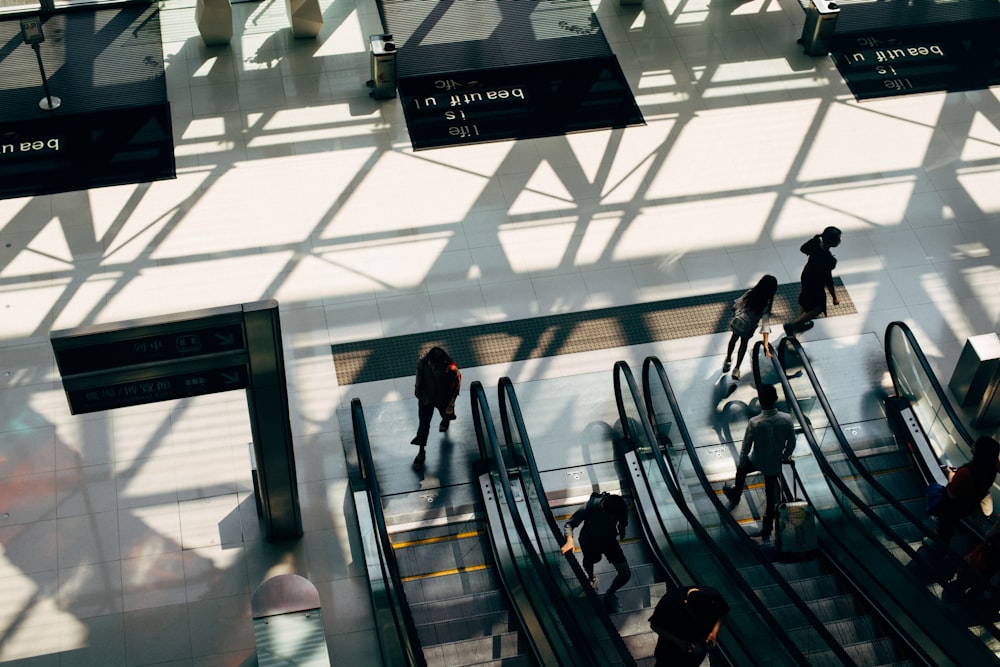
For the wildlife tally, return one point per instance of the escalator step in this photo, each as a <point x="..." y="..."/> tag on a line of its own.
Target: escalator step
<point x="497" y="650"/>
<point x="472" y="626"/>
<point x="858" y="630"/>
<point x="432" y="589"/>
<point x="815" y="588"/>
<point x="447" y="609"/>
<point x="880" y="651"/>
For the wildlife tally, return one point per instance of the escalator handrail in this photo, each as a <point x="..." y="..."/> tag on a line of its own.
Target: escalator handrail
<point x="956" y="421"/>
<point x="511" y="420"/>
<point x="942" y="396"/>
<point x="916" y="641"/>
<point x="622" y="370"/>
<point x="653" y="363"/>
<point x="405" y="629"/>
<point x="562" y="641"/>
<point x="932" y="567"/>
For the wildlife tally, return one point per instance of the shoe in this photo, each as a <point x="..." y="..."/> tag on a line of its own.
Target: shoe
<point x="736" y="374"/>
<point x="726" y="366"/>
<point x="789" y="329"/>
<point x="806" y="326"/>
<point x="611" y="603"/>
<point x="730" y="494"/>
<point x="418" y="462"/>
<point x="444" y="425"/>
<point x="416" y="442"/>
<point x="764" y="537"/>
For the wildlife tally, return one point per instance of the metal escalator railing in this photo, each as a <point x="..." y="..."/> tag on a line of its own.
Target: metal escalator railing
<point x="751" y="634"/>
<point x="397" y="633"/>
<point x="563" y="569"/>
<point x="728" y="534"/>
<point x="862" y="559"/>
<point x="538" y="606"/>
<point x="791" y="356"/>
<point x="946" y="440"/>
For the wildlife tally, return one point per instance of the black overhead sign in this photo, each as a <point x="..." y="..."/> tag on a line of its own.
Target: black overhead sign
<point x="178" y="383"/>
<point x="151" y="360"/>
<point x="158" y="346"/>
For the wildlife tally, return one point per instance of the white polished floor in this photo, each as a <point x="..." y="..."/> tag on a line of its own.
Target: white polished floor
<point x="129" y="537"/>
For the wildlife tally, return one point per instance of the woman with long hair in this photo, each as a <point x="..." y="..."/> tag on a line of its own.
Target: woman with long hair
<point x="753" y="307"/>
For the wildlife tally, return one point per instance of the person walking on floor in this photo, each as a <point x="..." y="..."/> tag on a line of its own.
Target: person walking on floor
<point x="968" y="486"/>
<point x="768" y="442"/>
<point x="816" y="279"/>
<point x="437" y="385"/>
<point x="604" y="519"/>
<point x="751" y="308"/>
<point x="686" y="621"/>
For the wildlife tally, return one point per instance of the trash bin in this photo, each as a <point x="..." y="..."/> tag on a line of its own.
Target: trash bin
<point x="977" y="376"/>
<point x="383" y="61"/>
<point x="821" y="23"/>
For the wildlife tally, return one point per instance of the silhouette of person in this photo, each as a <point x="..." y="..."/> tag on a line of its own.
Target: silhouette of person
<point x="769" y="440"/>
<point x="686" y="621"/>
<point x="816" y="279"/>
<point x="438" y="382"/>
<point x="604" y="519"/>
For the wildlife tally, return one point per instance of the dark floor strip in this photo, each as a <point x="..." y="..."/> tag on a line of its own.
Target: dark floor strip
<point x="536" y="337"/>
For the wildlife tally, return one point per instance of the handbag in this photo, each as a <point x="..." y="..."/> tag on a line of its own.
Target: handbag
<point x="934" y="499"/>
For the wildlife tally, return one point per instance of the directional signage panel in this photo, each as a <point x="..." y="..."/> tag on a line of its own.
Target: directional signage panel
<point x="127" y="390"/>
<point x="89" y="353"/>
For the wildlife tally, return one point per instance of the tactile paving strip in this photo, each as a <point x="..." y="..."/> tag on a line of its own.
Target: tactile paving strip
<point x="551" y="335"/>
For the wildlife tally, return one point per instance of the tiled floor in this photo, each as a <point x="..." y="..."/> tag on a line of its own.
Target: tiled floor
<point x="129" y="537"/>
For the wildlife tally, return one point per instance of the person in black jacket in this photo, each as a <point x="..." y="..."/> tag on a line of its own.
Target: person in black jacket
<point x="816" y="280"/>
<point x="687" y="621"/>
<point x="437" y="384"/>
<point x="604" y="519"/>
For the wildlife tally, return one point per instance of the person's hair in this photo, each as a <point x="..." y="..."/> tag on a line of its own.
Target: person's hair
<point x="707" y="604"/>
<point x="831" y="237"/>
<point x="768" y="396"/>
<point x="762" y="294"/>
<point x="984" y="461"/>
<point x="985" y="455"/>
<point x="615" y="505"/>
<point x="438" y="356"/>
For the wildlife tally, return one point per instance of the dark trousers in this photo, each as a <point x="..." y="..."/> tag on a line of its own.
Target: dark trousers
<point x="615" y="556"/>
<point x="425" y="412"/>
<point x="772" y="493"/>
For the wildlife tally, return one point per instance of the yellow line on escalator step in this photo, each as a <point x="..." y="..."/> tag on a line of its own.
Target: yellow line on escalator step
<point x="435" y="540"/>
<point x="444" y="573"/>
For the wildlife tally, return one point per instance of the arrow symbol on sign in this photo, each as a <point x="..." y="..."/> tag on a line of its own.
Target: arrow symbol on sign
<point x="225" y="339"/>
<point x="231" y="378"/>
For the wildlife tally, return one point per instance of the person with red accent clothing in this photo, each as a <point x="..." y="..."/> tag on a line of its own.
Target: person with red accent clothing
<point x="437" y="385"/>
<point x="968" y="486"/>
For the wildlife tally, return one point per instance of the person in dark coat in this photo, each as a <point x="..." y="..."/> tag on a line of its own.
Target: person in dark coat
<point x="686" y="621"/>
<point x="437" y="385"/>
<point x="816" y="280"/>
<point x="968" y="486"/>
<point x="604" y="519"/>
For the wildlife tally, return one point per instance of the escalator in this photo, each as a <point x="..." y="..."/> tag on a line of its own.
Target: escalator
<point x="399" y="641"/>
<point x="935" y="436"/>
<point x="859" y="547"/>
<point x="460" y="585"/>
<point x="889" y="480"/>
<point x="561" y="569"/>
<point x="768" y="624"/>
<point x="551" y="495"/>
